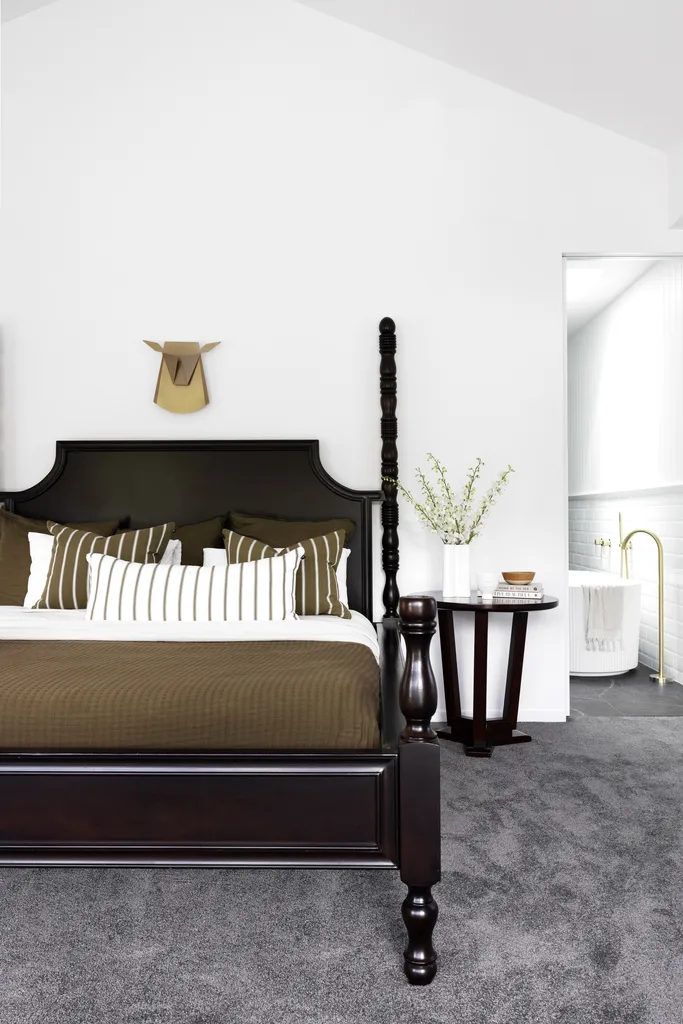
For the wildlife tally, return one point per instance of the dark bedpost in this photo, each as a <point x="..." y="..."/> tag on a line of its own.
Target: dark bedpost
<point x="420" y="811"/>
<point x="387" y="387"/>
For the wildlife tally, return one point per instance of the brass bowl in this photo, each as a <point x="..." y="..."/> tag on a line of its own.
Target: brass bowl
<point x="520" y="578"/>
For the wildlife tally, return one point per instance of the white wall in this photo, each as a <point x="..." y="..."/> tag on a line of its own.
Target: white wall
<point x="256" y="172"/>
<point x="676" y="186"/>
<point x="625" y="369"/>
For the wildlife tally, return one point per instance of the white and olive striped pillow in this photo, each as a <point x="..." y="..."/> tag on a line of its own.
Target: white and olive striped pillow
<point x="67" y="578"/>
<point x="317" y="589"/>
<point x="249" y="592"/>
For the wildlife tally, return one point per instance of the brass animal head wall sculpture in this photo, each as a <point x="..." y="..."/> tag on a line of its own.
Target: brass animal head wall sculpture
<point x="181" y="385"/>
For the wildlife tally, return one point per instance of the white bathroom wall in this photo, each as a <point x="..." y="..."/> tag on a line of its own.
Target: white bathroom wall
<point x="660" y="511"/>
<point x="625" y="372"/>
<point x="255" y="172"/>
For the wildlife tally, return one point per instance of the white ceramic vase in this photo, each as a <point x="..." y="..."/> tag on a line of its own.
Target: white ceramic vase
<point x="456" y="570"/>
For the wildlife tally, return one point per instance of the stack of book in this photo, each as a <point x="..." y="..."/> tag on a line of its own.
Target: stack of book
<point x="519" y="591"/>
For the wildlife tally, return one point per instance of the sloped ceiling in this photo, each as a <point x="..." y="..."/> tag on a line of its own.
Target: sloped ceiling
<point x="616" y="63"/>
<point x="593" y="283"/>
<point x="12" y="9"/>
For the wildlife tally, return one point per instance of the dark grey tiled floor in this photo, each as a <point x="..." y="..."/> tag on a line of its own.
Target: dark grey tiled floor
<point x="629" y="696"/>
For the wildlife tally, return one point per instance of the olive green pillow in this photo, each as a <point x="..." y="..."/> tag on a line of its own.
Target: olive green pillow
<point x="281" y="533"/>
<point x="197" y="536"/>
<point x="67" y="578"/>
<point x="15" y="555"/>
<point x="317" y="589"/>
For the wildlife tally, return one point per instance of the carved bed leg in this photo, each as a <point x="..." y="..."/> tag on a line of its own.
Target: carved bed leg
<point x="420" y="912"/>
<point x="420" y="812"/>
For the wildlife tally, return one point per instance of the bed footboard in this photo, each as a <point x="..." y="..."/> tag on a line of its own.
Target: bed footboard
<point x="312" y="810"/>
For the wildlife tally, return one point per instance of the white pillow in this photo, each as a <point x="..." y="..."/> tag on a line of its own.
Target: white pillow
<point x="218" y="556"/>
<point x="173" y="554"/>
<point x="250" y="592"/>
<point x="40" y="547"/>
<point x="215" y="556"/>
<point x="341" y="576"/>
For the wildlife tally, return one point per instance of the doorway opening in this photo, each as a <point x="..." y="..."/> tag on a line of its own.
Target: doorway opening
<point x="625" y="439"/>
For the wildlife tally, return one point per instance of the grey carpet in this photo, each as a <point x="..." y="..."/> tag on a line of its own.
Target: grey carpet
<point x="562" y="901"/>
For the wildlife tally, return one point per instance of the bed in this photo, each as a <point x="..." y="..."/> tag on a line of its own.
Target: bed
<point x="305" y="743"/>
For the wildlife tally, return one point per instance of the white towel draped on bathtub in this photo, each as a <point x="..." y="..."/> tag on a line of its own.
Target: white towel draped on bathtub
<point x="604" y="616"/>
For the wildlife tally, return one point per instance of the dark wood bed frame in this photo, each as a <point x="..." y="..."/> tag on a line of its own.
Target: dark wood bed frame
<point x="355" y="809"/>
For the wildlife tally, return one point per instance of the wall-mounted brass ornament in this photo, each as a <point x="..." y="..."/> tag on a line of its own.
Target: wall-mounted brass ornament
<point x="181" y="385"/>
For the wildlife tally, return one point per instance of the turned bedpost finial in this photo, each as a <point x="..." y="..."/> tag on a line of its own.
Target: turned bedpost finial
<point x="418" y="694"/>
<point x="389" y="434"/>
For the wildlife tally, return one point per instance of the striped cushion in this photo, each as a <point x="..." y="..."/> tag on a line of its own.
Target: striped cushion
<point x="317" y="589"/>
<point x="246" y="549"/>
<point x="249" y="592"/>
<point x="67" y="579"/>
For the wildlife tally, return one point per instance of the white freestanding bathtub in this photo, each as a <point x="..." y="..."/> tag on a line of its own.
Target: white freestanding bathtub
<point x="584" y="662"/>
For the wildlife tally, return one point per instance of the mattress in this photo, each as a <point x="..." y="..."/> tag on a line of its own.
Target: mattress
<point x="34" y="624"/>
<point x="71" y="685"/>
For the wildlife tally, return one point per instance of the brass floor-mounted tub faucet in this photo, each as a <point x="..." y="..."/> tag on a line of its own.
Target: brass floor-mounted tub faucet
<point x="659" y="676"/>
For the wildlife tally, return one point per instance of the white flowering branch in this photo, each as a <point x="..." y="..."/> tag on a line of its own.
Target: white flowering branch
<point x="455" y="519"/>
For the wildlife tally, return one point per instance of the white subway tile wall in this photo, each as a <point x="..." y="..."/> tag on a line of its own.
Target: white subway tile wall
<point x="662" y="512"/>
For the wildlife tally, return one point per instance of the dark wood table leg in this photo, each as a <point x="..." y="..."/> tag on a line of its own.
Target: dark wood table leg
<point x="451" y="682"/>
<point x="514" y="679"/>
<point x="480" y="746"/>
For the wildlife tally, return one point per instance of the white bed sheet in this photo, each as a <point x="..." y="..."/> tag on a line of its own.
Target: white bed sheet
<point x="30" y="624"/>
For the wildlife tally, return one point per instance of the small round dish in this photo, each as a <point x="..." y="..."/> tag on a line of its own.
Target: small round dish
<point x="521" y="578"/>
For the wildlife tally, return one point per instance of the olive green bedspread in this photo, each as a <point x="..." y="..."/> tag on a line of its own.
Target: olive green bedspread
<point x="91" y="695"/>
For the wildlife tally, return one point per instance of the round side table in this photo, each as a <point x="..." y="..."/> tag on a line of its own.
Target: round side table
<point x="477" y="734"/>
